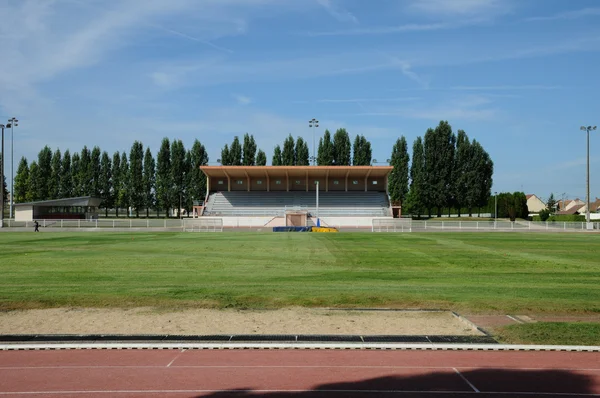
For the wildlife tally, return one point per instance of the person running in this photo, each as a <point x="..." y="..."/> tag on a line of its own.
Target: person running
<point x="37" y="227"/>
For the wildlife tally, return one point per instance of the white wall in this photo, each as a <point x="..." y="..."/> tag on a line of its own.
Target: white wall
<point x="24" y="213"/>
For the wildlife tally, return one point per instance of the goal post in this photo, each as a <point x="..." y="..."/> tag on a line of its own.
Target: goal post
<point x="391" y="225"/>
<point x="203" y="224"/>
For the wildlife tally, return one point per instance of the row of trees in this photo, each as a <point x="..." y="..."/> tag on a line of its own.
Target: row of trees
<point x="512" y="205"/>
<point x="246" y="156"/>
<point x="447" y="171"/>
<point x="140" y="181"/>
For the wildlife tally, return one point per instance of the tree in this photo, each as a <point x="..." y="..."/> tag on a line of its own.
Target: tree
<point x="45" y="171"/>
<point x="55" y="175"/>
<point x="34" y="183"/>
<point x="439" y="159"/>
<point x="261" y="158"/>
<point x="512" y="205"/>
<point x="178" y="171"/>
<point x="463" y="176"/>
<point x="398" y="180"/>
<point x="21" y="181"/>
<point x="4" y="186"/>
<point x="361" y="154"/>
<point x="85" y="172"/>
<point x="235" y="152"/>
<point x="551" y="204"/>
<point x="414" y="201"/>
<point x="225" y="156"/>
<point x="94" y="172"/>
<point x="301" y="153"/>
<point x="341" y="148"/>
<point x="249" y="150"/>
<point x="288" y="156"/>
<point x="116" y="181"/>
<point x="197" y="179"/>
<point x="75" y="167"/>
<point x="105" y="182"/>
<point x="66" y="178"/>
<point x="164" y="178"/>
<point x="123" y="199"/>
<point x="277" y="158"/>
<point x="149" y="181"/>
<point x="484" y="175"/>
<point x="136" y="177"/>
<point x="325" y="151"/>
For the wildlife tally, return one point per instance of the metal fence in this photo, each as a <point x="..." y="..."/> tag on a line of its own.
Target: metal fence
<point x="464" y="226"/>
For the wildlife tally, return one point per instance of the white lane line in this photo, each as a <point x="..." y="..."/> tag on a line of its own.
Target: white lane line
<point x="324" y="392"/>
<point x="176" y="357"/>
<point x="501" y="367"/>
<point x="514" y="319"/>
<point x="466" y="380"/>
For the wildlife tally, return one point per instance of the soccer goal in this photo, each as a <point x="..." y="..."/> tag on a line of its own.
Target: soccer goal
<point x="391" y="225"/>
<point x="203" y="224"/>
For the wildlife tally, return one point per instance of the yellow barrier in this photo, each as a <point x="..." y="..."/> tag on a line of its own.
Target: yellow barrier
<point x="324" y="229"/>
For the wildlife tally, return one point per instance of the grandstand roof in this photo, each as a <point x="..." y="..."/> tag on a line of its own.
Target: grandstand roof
<point x="313" y="171"/>
<point x="65" y="202"/>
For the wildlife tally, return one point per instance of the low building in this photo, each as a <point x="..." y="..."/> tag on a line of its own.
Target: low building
<point x="81" y="208"/>
<point x="534" y="204"/>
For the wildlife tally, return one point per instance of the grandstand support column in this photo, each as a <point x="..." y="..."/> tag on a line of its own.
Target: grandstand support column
<point x="366" y="178"/>
<point x="306" y="180"/>
<point x="228" y="181"/>
<point x="327" y="181"/>
<point x="247" y="181"/>
<point x="317" y="187"/>
<point x="268" y="182"/>
<point x="287" y="182"/>
<point x="346" y="181"/>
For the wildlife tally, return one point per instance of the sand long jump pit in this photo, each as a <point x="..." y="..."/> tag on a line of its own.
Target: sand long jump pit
<point x="231" y="321"/>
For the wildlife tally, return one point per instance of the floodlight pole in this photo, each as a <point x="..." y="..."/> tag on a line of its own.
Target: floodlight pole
<point x="587" y="212"/>
<point x="312" y="124"/>
<point x="2" y="180"/>
<point x="12" y="122"/>
<point x="317" y="182"/>
<point x="495" y="206"/>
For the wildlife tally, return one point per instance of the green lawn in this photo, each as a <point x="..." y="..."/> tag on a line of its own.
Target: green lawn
<point x="483" y="272"/>
<point x="555" y="333"/>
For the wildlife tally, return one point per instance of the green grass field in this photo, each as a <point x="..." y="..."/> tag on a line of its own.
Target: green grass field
<point x="480" y="272"/>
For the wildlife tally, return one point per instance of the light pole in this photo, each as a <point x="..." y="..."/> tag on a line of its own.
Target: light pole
<point x="2" y="179"/>
<point x="587" y="212"/>
<point x="312" y="124"/>
<point x="12" y="123"/>
<point x="495" y="206"/>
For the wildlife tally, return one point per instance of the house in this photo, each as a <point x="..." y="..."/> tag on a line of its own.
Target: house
<point x="573" y="209"/>
<point x="534" y="204"/>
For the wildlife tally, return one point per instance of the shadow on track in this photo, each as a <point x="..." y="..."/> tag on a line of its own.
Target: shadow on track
<point x="498" y="383"/>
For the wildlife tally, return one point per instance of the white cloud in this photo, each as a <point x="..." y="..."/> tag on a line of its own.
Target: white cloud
<point x="384" y="30"/>
<point x="242" y="99"/>
<point x="576" y="14"/>
<point x="337" y="12"/>
<point x="506" y="88"/>
<point x="482" y="8"/>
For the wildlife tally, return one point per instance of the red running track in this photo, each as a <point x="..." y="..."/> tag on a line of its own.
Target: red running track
<point x="297" y="373"/>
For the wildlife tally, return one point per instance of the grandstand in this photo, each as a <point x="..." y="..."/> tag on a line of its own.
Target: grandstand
<point x="274" y="191"/>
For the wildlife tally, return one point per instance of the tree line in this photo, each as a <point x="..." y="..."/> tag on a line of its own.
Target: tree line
<point x="138" y="181"/>
<point x="447" y="171"/>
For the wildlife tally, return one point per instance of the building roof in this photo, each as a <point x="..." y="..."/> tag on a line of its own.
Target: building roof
<point x="572" y="210"/>
<point x="67" y="202"/>
<point x="296" y="171"/>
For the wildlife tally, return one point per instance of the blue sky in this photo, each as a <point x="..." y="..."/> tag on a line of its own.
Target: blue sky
<point x="520" y="76"/>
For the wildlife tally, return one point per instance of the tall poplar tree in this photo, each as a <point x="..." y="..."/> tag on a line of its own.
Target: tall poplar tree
<point x="85" y="172"/>
<point x="261" y="158"/>
<point x="301" y="152"/>
<point x="439" y="161"/>
<point x="34" y="183"/>
<point x="21" y="181"/>
<point x="235" y="152"/>
<point x="124" y="190"/>
<point x="164" y="178"/>
<point x="325" y="151"/>
<point x="197" y="179"/>
<point x="464" y="174"/>
<point x="178" y="171"/>
<point x="361" y="153"/>
<point x="288" y="156"/>
<point x="398" y="180"/>
<point x="94" y="171"/>
<point x="277" y="158"/>
<point x="75" y="172"/>
<point x="105" y="182"/>
<point x="249" y="150"/>
<point x="149" y="181"/>
<point x="415" y="200"/>
<point x="226" y="156"/>
<point x="66" y="178"/>
<point x="136" y="177"/>
<point x="45" y="172"/>
<point x="116" y="182"/>
<point x="55" y="175"/>
<point x="341" y="148"/>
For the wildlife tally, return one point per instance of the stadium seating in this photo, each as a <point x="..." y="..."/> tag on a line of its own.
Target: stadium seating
<point x="371" y="204"/>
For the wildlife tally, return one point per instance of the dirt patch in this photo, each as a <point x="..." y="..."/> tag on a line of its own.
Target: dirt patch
<point x="209" y="321"/>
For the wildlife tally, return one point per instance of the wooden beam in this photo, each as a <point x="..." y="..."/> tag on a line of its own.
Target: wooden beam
<point x="287" y="181"/>
<point x="268" y="181"/>
<point x="367" y="176"/>
<point x="346" y="184"/>
<point x="247" y="181"/>
<point x="228" y="181"/>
